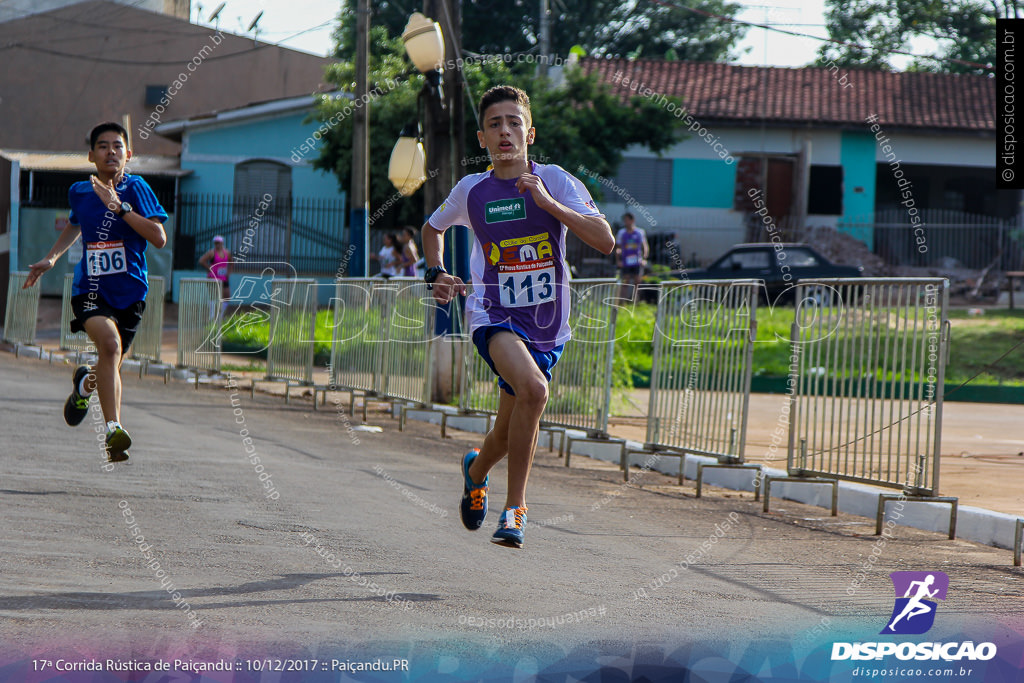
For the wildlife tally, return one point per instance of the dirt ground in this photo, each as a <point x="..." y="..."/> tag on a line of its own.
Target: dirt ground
<point x="982" y="460"/>
<point x="982" y="447"/>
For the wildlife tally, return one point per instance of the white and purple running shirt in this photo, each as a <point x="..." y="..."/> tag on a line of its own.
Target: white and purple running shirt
<point x="520" y="279"/>
<point x="632" y="245"/>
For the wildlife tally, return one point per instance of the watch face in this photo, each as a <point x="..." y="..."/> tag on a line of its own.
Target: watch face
<point x="126" y="207"/>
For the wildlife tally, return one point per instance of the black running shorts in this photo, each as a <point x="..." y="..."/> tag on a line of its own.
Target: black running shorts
<point x="85" y="306"/>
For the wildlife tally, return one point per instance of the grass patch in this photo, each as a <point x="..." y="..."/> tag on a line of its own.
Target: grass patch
<point x="976" y="342"/>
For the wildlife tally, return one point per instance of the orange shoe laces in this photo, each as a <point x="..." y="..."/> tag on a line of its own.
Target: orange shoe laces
<point x="517" y="514"/>
<point x="477" y="497"/>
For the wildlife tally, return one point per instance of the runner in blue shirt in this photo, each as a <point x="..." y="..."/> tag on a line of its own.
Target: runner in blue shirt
<point x="116" y="215"/>
<point x="519" y="309"/>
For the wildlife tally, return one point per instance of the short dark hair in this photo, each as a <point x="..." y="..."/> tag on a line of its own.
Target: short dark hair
<point x="628" y="215"/>
<point x="504" y="93"/>
<point x="107" y="127"/>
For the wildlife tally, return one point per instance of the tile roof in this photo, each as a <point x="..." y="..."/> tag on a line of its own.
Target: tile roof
<point x="810" y="96"/>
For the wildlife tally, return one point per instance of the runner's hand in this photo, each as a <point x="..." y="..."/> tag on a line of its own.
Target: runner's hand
<point x="531" y="183"/>
<point x="35" y="271"/>
<point x="106" y="193"/>
<point x="446" y="286"/>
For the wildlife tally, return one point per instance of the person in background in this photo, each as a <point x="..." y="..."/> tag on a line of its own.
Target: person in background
<point x="217" y="264"/>
<point x="410" y="256"/>
<point x="631" y="252"/>
<point x="390" y="256"/>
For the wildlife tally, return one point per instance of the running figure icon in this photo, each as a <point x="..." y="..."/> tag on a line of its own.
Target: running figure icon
<point x="916" y="606"/>
<point x="916" y="595"/>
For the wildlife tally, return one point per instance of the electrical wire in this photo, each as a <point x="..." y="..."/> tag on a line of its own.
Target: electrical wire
<point x="769" y="27"/>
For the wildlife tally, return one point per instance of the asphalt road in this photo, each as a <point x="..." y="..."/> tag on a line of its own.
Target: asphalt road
<point x="644" y="570"/>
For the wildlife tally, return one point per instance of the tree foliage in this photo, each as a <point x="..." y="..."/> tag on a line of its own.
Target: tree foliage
<point x="603" y="28"/>
<point x="579" y="123"/>
<point x="964" y="30"/>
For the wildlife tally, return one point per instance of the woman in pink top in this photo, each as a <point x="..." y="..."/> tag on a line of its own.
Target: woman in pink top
<point x="217" y="264"/>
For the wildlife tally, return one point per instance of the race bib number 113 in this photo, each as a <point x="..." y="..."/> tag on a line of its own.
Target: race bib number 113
<point x="527" y="284"/>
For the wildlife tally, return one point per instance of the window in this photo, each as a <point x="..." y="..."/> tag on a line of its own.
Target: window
<point x="648" y="181"/>
<point x="745" y="260"/>
<point x="258" y="178"/>
<point x="155" y="93"/>
<point x="825" y="190"/>
<point x="800" y="258"/>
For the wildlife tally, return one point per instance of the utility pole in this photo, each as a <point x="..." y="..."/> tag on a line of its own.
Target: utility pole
<point x="359" y="227"/>
<point x="545" y="38"/>
<point x="444" y="123"/>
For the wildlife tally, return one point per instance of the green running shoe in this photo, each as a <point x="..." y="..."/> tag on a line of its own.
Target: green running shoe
<point x="76" y="407"/>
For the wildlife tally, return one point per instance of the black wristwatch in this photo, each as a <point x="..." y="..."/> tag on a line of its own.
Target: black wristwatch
<point x="125" y="209"/>
<point x="433" y="272"/>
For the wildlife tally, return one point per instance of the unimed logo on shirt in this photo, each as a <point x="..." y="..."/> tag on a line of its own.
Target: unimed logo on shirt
<point x="505" y="210"/>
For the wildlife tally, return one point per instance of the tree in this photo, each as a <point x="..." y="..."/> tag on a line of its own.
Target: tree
<point x="581" y="123"/>
<point x="965" y="31"/>
<point x="612" y="28"/>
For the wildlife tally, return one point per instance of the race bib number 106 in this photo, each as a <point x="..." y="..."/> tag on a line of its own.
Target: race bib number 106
<point x="105" y="258"/>
<point x="527" y="284"/>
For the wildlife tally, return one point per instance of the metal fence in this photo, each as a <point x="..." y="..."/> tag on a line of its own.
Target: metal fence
<point x="360" y="325"/>
<point x="579" y="394"/>
<point x="199" y="324"/>
<point x="22" y="310"/>
<point x="408" y="363"/>
<point x="292" y="328"/>
<point x="308" y="233"/>
<point x="478" y="388"/>
<point x="950" y="239"/>
<point x="868" y="364"/>
<point x="70" y="341"/>
<point x="149" y="339"/>
<point x="701" y="368"/>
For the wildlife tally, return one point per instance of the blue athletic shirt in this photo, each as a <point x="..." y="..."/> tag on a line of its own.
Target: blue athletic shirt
<point x="518" y="265"/>
<point x="113" y="254"/>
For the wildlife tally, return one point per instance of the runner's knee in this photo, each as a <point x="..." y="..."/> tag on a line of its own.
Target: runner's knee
<point x="109" y="347"/>
<point x="533" y="391"/>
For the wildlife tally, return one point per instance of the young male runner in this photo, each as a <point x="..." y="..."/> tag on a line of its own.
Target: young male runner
<point x="116" y="214"/>
<point x="519" y="309"/>
<point x="630" y="255"/>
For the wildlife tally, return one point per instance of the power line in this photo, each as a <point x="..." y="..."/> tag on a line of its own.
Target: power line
<point x="770" y="27"/>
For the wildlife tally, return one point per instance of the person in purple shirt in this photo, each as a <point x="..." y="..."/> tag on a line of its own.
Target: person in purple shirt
<point x="117" y="215"/>
<point x="519" y="309"/>
<point x="631" y="256"/>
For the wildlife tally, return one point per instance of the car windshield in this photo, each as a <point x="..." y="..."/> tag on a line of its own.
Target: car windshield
<point x="798" y="258"/>
<point x="743" y="260"/>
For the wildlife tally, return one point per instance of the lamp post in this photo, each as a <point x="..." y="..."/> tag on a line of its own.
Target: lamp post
<point x="427" y="45"/>
<point x="359" y="225"/>
<point x="407" y="168"/>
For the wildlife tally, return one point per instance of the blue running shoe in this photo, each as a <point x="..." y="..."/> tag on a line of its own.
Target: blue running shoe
<point x="473" y="508"/>
<point x="510" y="527"/>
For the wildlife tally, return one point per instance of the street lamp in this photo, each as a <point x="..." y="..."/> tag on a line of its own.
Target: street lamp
<point x="407" y="169"/>
<point x="424" y="44"/>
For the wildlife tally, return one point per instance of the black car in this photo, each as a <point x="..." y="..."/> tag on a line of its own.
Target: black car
<point x="768" y="262"/>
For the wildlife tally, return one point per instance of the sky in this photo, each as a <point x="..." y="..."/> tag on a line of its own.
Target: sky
<point x="314" y="21"/>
